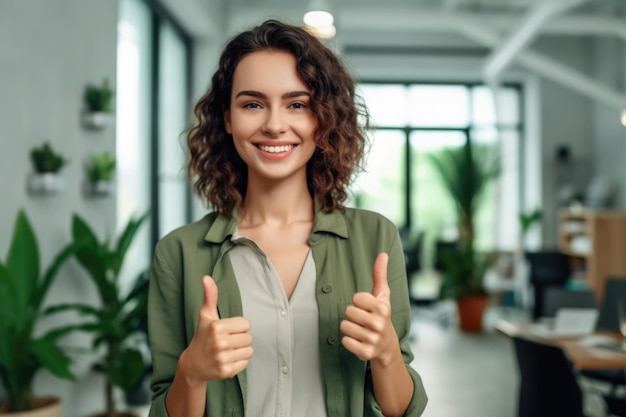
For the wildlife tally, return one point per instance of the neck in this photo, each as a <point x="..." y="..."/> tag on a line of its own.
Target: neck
<point x="282" y="202"/>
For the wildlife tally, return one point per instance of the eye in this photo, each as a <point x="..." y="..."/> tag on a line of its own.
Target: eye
<point x="298" y="105"/>
<point x="252" y="105"/>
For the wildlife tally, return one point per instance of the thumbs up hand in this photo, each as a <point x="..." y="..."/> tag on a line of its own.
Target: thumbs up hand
<point x="368" y="330"/>
<point x="220" y="348"/>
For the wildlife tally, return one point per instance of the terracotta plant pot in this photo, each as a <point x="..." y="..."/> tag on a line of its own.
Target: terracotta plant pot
<point x="471" y="310"/>
<point x="42" y="407"/>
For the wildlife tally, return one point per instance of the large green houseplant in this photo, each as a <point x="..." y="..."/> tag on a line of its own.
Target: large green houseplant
<point x="117" y="321"/>
<point x="23" y="290"/>
<point x="465" y="172"/>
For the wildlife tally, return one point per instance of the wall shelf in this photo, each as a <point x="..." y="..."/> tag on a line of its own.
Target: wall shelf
<point x="604" y="237"/>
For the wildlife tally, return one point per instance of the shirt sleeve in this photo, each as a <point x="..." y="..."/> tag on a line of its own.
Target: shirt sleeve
<point x="165" y="324"/>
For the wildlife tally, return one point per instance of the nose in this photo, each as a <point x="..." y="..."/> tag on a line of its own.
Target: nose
<point x="274" y="123"/>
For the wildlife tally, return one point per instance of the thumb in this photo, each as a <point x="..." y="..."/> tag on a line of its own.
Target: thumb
<point x="380" y="287"/>
<point x="209" y="305"/>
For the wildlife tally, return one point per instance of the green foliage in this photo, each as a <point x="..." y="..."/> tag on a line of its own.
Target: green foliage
<point x="22" y="292"/>
<point x="464" y="272"/>
<point x="465" y="172"/>
<point x="45" y="160"/>
<point x="120" y="315"/>
<point x="100" y="167"/>
<point x="99" y="98"/>
<point x="527" y="219"/>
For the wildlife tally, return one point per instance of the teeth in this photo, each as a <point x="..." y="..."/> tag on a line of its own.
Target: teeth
<point x="275" y="149"/>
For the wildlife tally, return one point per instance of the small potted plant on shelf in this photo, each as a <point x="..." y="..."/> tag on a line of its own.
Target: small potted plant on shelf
<point x="100" y="169"/>
<point x="116" y="323"/>
<point x="46" y="165"/>
<point x="98" y="102"/>
<point x="465" y="172"/>
<point x="24" y="352"/>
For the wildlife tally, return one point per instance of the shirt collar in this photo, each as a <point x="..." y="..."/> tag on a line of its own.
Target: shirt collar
<point x="223" y="227"/>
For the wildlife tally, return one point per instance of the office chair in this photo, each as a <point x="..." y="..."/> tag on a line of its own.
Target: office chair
<point x="412" y="257"/>
<point x="547" y="268"/>
<point x="413" y="254"/>
<point x="441" y="248"/>
<point x="555" y="298"/>
<point x="615" y="405"/>
<point x="548" y="384"/>
<point x="609" y="321"/>
<point x="614" y="299"/>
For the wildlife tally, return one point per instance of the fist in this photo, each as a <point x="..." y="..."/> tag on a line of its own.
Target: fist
<point x="220" y="348"/>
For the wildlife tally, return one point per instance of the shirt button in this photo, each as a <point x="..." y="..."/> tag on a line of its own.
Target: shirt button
<point x="331" y="340"/>
<point x="327" y="289"/>
<point x="283" y="313"/>
<point x="285" y="369"/>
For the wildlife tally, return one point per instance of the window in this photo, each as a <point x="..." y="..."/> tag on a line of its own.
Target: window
<point x="151" y="114"/>
<point x="413" y="120"/>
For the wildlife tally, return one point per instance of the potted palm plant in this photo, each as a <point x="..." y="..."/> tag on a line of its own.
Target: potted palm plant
<point x="116" y="323"/>
<point x="46" y="166"/>
<point x="23" y="353"/>
<point x="100" y="169"/>
<point x="98" y="100"/>
<point x="465" y="172"/>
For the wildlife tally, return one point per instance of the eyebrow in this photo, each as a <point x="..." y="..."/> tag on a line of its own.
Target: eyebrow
<point x="291" y="94"/>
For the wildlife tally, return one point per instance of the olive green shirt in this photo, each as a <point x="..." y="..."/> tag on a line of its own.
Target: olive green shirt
<point x="344" y="246"/>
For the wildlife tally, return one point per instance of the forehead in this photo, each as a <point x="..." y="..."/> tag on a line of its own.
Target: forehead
<point x="268" y="70"/>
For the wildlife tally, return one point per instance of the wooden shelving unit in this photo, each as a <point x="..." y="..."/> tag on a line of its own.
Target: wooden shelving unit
<point x="596" y="242"/>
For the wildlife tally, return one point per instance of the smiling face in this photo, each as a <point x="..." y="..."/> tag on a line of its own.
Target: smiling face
<point x="269" y="117"/>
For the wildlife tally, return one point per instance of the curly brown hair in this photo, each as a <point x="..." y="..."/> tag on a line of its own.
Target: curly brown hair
<point x="221" y="175"/>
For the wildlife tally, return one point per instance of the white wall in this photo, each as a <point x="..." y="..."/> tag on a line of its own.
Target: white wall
<point x="563" y="118"/>
<point x="49" y="51"/>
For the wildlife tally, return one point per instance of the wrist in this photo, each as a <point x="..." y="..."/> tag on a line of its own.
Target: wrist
<point x="187" y="373"/>
<point x="388" y="357"/>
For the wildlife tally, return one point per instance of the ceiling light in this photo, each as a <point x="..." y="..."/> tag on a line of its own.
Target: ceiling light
<point x="319" y="20"/>
<point x="322" y="32"/>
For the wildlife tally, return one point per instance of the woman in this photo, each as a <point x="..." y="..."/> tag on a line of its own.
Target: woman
<point x="282" y="302"/>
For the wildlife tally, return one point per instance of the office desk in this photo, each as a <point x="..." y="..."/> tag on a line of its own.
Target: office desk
<point x="581" y="356"/>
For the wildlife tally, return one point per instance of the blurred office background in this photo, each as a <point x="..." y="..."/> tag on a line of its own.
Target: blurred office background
<point x="542" y="82"/>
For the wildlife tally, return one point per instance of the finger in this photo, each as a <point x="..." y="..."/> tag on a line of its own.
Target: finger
<point x="235" y="341"/>
<point x="362" y="351"/>
<point x="229" y="356"/>
<point x="239" y="366"/>
<point x="363" y="318"/>
<point x="381" y="287"/>
<point x="209" y="305"/>
<point x="231" y="325"/>
<point x="364" y="301"/>
<point x="358" y="332"/>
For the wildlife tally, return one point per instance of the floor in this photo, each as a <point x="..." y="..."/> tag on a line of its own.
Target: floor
<point x="471" y="375"/>
<point x="465" y="375"/>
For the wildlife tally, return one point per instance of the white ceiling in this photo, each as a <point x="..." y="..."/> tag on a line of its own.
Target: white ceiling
<point x="500" y="32"/>
<point x="382" y="18"/>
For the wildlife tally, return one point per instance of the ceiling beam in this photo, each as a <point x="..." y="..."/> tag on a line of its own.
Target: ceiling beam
<point x="523" y="34"/>
<point x="450" y="5"/>
<point x="413" y="20"/>
<point x="553" y="70"/>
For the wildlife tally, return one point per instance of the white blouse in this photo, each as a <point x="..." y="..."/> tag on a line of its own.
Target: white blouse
<point x="284" y="375"/>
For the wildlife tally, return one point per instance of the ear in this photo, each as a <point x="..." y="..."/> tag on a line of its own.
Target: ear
<point x="227" y="124"/>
